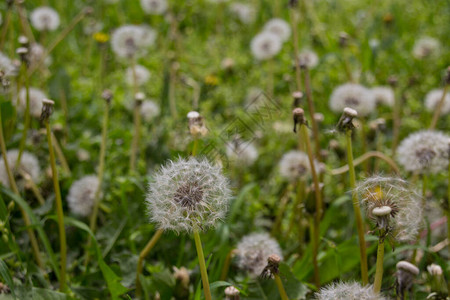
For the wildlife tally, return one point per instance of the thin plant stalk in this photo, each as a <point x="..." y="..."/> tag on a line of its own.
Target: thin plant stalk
<point x="101" y="169"/>
<point x="282" y="208"/>
<point x="318" y="197"/>
<point x="397" y="119"/>
<point x="142" y="256"/>
<point x="27" y="115"/>
<point x="357" y="210"/>
<point x="364" y="146"/>
<point x="136" y="136"/>
<point x="365" y="156"/>
<point x="5" y="27"/>
<point x="59" y="209"/>
<point x="298" y="78"/>
<point x="280" y="287"/>
<point x="379" y="266"/>
<point x="437" y="111"/>
<point x="312" y="112"/>
<point x="172" y="82"/>
<point x="33" y="187"/>
<point x="24" y="21"/>
<point x="201" y="262"/>
<point x="226" y="265"/>
<point x="297" y="212"/>
<point x="60" y="154"/>
<point x="13" y="185"/>
<point x="270" y="77"/>
<point x="424" y="194"/>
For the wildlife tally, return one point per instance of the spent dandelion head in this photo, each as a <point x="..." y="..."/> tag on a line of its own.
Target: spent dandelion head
<point x="347" y="291"/>
<point x="130" y="41"/>
<point x="354" y="96"/>
<point x="45" y="18"/>
<point x="188" y="195"/>
<point x="294" y="165"/>
<point x="254" y="250"/>
<point x="308" y="58"/>
<point x="154" y="7"/>
<point x="425" y="151"/>
<point x="81" y="197"/>
<point x="405" y="275"/>
<point x="434" y="97"/>
<point x="47" y="109"/>
<point x="279" y="27"/>
<point x="426" y="47"/>
<point x="392" y="204"/>
<point x="142" y="75"/>
<point x="383" y="95"/>
<point x="197" y="126"/>
<point x="241" y="152"/>
<point x="149" y="110"/>
<point x="265" y="45"/>
<point x="28" y="164"/>
<point x="243" y="11"/>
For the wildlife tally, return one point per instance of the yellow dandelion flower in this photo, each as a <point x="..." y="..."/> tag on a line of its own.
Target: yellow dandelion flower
<point x="211" y="80"/>
<point x="101" y="37"/>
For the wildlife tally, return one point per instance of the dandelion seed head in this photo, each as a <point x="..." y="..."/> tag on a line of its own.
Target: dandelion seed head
<point x="433" y="98"/>
<point x="45" y="18"/>
<point x="425" y="151"/>
<point x="243" y="11"/>
<point x="28" y="164"/>
<point x="253" y="251"/>
<point x="308" y="58"/>
<point x="149" y="110"/>
<point x="392" y="205"/>
<point x="354" y="96"/>
<point x="383" y="95"/>
<point x="187" y="195"/>
<point x="426" y="47"/>
<point x="279" y="27"/>
<point x="154" y="7"/>
<point x="7" y="66"/>
<point x="36" y="54"/>
<point x="347" y="291"/>
<point x="265" y="45"/>
<point x="142" y="75"/>
<point x="36" y="97"/>
<point x="130" y="41"/>
<point x="81" y="197"/>
<point x="241" y="152"/>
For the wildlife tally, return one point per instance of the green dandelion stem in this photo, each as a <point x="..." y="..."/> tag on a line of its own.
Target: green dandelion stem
<point x="280" y="287"/>
<point x="379" y="266"/>
<point x="201" y="262"/>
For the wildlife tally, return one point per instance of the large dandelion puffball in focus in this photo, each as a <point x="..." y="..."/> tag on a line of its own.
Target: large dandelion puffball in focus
<point x="354" y="96"/>
<point x="347" y="291"/>
<point x="425" y="151"/>
<point x="81" y="197"/>
<point x="265" y="45"/>
<point x="45" y="18"/>
<point x="188" y="195"/>
<point x="130" y="41"/>
<point x="154" y="7"/>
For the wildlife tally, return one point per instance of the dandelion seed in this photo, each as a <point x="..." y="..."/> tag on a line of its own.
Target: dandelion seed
<point x="81" y="197"/>
<point x="354" y="96"/>
<point x="45" y="18"/>
<point x="132" y="40"/>
<point x="188" y="195"/>
<point x="154" y="7"/>
<point x="308" y="58"/>
<point x="28" y="164"/>
<point x="279" y="27"/>
<point x="36" y="97"/>
<point x="243" y="11"/>
<point x="424" y="151"/>
<point x="149" y="110"/>
<point x="348" y="291"/>
<point x="425" y="47"/>
<point x="392" y="205"/>
<point x="142" y="75"/>
<point x="241" y="152"/>
<point x="265" y="45"/>
<point x="383" y="95"/>
<point x="253" y="251"/>
<point x="433" y="98"/>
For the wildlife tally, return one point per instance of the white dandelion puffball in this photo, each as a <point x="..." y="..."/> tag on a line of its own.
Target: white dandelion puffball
<point x="253" y="251"/>
<point x="347" y="291"/>
<point x="28" y="164"/>
<point x="434" y="97"/>
<point x="188" y="195"/>
<point x="383" y="95"/>
<point x="279" y="27"/>
<point x="308" y="58"/>
<point x="154" y="7"/>
<point x="243" y="11"/>
<point x="142" y="75"/>
<point x="149" y="110"/>
<point x="294" y="165"/>
<point x="354" y="96"/>
<point x="36" y="54"/>
<point x="132" y="40"/>
<point x="241" y="152"/>
<point x="7" y="66"/>
<point x="44" y="18"/>
<point x="265" y="45"/>
<point x="425" y="47"/>
<point x="36" y="96"/>
<point x="81" y="197"/>
<point x="425" y="151"/>
<point x="393" y="205"/>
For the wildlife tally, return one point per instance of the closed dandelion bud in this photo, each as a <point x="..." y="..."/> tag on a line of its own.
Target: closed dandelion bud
<point x="437" y="281"/>
<point x="254" y="250"/>
<point x="47" y="109"/>
<point x="187" y="195"/>
<point x="392" y="205"/>
<point x="271" y="268"/>
<point x="107" y="95"/>
<point x="298" y="115"/>
<point x="347" y="291"/>
<point x="343" y="39"/>
<point x="232" y="293"/>
<point x="346" y="121"/>
<point x="406" y="273"/>
<point x="196" y="125"/>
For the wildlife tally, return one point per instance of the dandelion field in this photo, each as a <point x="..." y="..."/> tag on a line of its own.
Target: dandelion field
<point x="222" y="149"/>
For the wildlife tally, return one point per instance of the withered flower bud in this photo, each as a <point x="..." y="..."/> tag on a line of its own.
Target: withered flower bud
<point x="343" y="39"/>
<point x="232" y="293"/>
<point x="196" y="124"/>
<point x="345" y="122"/>
<point x="298" y="115"/>
<point x="47" y="109"/>
<point x="271" y="269"/>
<point x="139" y="98"/>
<point x="23" y="54"/>
<point x="107" y="95"/>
